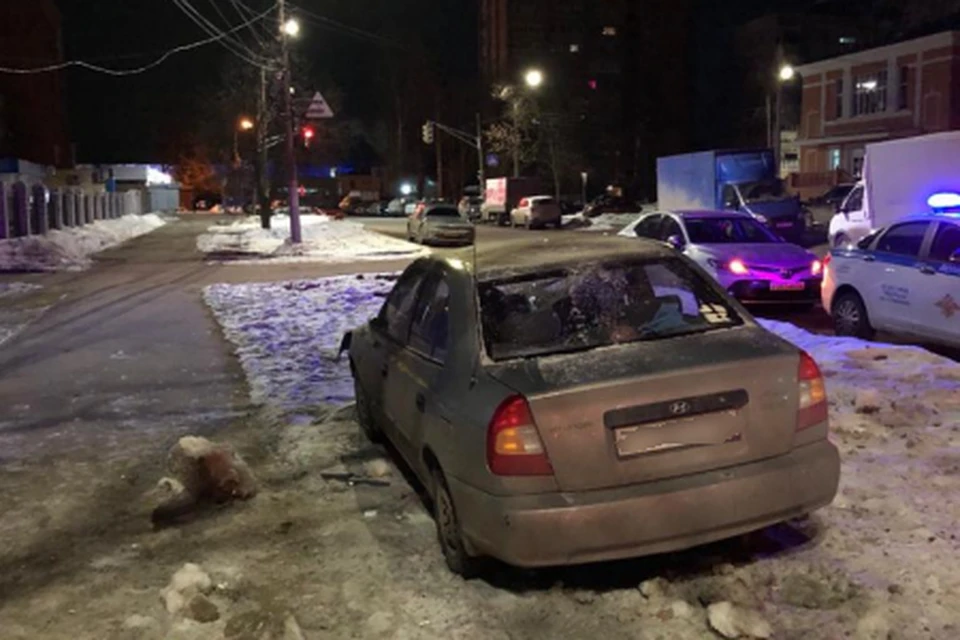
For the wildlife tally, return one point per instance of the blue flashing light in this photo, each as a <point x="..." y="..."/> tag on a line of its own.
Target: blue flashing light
<point x="944" y="201"/>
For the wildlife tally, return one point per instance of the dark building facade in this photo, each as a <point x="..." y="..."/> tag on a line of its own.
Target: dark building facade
<point x="617" y="68"/>
<point x="32" y="116"/>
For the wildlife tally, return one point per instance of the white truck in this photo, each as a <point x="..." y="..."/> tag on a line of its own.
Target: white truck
<point x="899" y="177"/>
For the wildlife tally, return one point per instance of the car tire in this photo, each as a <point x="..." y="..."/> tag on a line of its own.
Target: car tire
<point x="840" y="240"/>
<point x="850" y="316"/>
<point x="368" y="425"/>
<point x="449" y="533"/>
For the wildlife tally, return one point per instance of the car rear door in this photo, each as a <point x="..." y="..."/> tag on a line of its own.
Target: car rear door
<point x="939" y="297"/>
<point x="894" y="291"/>
<point x="415" y="371"/>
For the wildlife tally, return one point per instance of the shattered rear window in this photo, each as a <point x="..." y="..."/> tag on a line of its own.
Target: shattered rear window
<point x="582" y="308"/>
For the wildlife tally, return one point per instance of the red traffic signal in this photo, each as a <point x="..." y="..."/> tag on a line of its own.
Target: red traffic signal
<point x="308" y="134"/>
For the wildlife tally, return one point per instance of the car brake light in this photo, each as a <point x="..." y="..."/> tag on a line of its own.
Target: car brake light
<point x="816" y="267"/>
<point x="826" y="260"/>
<point x="514" y="447"/>
<point x="736" y="266"/>
<point x="812" y="408"/>
<point x="523" y="202"/>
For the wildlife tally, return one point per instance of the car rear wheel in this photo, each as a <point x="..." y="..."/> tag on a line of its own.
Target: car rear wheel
<point x="850" y="316"/>
<point x="449" y="533"/>
<point x="364" y="416"/>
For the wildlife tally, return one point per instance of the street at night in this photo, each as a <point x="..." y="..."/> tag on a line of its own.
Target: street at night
<point x="479" y="319"/>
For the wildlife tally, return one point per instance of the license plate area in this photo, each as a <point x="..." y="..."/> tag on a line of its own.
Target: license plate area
<point x="787" y="286"/>
<point x="675" y="435"/>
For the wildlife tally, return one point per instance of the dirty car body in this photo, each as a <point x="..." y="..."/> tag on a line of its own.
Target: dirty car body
<point x="590" y="399"/>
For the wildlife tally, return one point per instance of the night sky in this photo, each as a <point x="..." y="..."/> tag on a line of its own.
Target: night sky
<point x="139" y="118"/>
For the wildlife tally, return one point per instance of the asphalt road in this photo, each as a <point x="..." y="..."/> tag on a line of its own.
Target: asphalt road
<point x="813" y="320"/>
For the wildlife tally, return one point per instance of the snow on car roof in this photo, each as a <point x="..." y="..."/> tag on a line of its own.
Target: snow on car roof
<point x="708" y="213"/>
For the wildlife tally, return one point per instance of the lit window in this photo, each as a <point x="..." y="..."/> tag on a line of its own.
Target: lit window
<point x="870" y="93"/>
<point x="574" y="48"/>
<point x="592" y="84"/>
<point x="610" y="31"/>
<point x="834" y="160"/>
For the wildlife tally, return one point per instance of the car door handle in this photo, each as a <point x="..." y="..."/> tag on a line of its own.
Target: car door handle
<point x="421" y="402"/>
<point x="927" y="269"/>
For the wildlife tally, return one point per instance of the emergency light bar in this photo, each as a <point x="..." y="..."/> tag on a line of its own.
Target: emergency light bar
<point x="944" y="201"/>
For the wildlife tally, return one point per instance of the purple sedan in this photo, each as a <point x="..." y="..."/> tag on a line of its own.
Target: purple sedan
<point x="748" y="260"/>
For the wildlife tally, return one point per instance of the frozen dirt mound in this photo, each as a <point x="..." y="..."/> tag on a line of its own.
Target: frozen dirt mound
<point x="71" y="249"/>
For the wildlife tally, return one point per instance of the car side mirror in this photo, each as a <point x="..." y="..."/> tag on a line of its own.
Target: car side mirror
<point x="676" y="242"/>
<point x="955" y="257"/>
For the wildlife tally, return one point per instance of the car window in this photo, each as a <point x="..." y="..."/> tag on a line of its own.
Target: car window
<point x="430" y="330"/>
<point x="398" y="309"/>
<point x="855" y="201"/>
<point x="649" y="227"/>
<point x="946" y="242"/>
<point x="543" y="201"/>
<point x="670" y="227"/>
<point x="730" y="199"/>
<point x="727" y="231"/>
<point x="443" y="212"/>
<point x="904" y="239"/>
<point x="595" y="305"/>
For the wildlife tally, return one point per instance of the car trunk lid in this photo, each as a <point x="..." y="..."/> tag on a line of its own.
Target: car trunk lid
<point x="653" y="410"/>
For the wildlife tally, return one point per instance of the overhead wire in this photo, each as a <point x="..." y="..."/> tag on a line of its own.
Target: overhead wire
<point x="330" y="23"/>
<point x="236" y="46"/>
<point x="244" y="12"/>
<point x="137" y="70"/>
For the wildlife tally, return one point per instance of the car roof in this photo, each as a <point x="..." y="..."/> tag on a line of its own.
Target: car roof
<point x="690" y="214"/>
<point x="516" y="257"/>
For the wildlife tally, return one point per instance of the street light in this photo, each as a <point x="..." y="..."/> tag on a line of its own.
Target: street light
<point x="291" y="27"/>
<point x="533" y="78"/>
<point x="246" y="124"/>
<point x="787" y="72"/>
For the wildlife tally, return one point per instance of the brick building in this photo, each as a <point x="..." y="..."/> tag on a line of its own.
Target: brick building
<point x="33" y="123"/>
<point x="904" y="89"/>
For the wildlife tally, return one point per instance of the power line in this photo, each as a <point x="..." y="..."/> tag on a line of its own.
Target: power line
<point x="129" y="72"/>
<point x="235" y="46"/>
<point x="244" y="11"/>
<point x="324" y="21"/>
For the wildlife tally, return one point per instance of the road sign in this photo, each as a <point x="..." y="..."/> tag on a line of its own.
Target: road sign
<point x="318" y="109"/>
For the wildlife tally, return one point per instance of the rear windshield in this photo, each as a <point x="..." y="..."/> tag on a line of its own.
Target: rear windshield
<point x="544" y="201"/>
<point x="582" y="308"/>
<point x="727" y="231"/>
<point x="443" y="212"/>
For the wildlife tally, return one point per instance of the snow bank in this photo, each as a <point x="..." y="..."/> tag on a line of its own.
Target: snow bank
<point x="603" y="222"/>
<point x="70" y="249"/>
<point x="324" y="240"/>
<point x="16" y="289"/>
<point x="287" y="334"/>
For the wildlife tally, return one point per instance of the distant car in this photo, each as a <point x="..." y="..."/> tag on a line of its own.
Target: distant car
<point x="537" y="212"/>
<point x="469" y="207"/>
<point x="749" y="261"/>
<point x="587" y="399"/>
<point x="438" y="224"/>
<point x="904" y="279"/>
<point x="610" y="204"/>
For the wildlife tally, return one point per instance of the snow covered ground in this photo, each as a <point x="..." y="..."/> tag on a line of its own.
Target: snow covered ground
<point x="287" y="334"/>
<point x="604" y="222"/>
<point x="15" y="317"/>
<point x="70" y="249"/>
<point x="324" y="240"/>
<point x="879" y="563"/>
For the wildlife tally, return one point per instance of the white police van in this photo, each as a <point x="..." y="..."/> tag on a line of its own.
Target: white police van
<point x="904" y="278"/>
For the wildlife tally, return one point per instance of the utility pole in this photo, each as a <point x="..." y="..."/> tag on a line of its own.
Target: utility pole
<point x="516" y="140"/>
<point x="439" y="150"/>
<point x="480" y="159"/>
<point x="293" y="196"/>
<point x="262" y="190"/>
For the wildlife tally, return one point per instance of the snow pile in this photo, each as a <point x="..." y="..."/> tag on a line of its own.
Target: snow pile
<point x="324" y="240"/>
<point x="70" y="249"/>
<point x="287" y="334"/>
<point x="603" y="222"/>
<point x="17" y="289"/>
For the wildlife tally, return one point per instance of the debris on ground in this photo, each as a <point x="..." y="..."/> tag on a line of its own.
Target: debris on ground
<point x="731" y="621"/>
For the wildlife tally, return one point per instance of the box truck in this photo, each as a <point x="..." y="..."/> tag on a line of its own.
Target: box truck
<point x="899" y="176"/>
<point x="503" y="194"/>
<point x="735" y="180"/>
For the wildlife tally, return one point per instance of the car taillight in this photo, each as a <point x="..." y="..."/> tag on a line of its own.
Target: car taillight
<point x="816" y="267"/>
<point x="826" y="260"/>
<point x="523" y="202"/>
<point x="813" y="394"/>
<point x="514" y="447"/>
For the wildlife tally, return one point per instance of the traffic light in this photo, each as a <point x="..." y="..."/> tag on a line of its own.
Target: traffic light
<point x="308" y="133"/>
<point x="428" y="132"/>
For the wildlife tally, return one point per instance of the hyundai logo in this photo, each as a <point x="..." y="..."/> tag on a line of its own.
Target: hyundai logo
<point x="680" y="408"/>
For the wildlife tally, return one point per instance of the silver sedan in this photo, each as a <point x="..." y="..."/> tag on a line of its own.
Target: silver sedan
<point x="587" y="399"/>
<point x="439" y="224"/>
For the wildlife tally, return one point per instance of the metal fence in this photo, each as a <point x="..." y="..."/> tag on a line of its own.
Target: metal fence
<point x="26" y="211"/>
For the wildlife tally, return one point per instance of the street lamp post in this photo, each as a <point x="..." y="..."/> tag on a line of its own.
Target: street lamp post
<point x="289" y="28"/>
<point x="532" y="79"/>
<point x="785" y="74"/>
<point x="243" y="125"/>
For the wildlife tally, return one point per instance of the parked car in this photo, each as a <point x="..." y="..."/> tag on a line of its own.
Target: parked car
<point x="610" y="204"/>
<point x="904" y="279"/>
<point x="537" y="212"/>
<point x="749" y="261"/>
<point x="469" y="207"/>
<point x="588" y="399"/>
<point x="439" y="223"/>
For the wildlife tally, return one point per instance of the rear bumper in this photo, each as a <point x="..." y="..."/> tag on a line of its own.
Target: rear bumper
<point x="656" y="517"/>
<point x="760" y="291"/>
